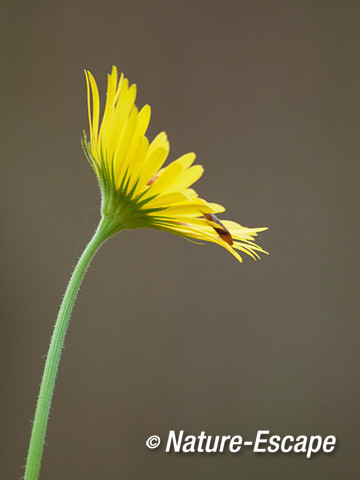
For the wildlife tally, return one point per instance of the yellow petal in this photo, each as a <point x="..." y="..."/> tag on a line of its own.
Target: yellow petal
<point x="166" y="200"/>
<point x="166" y="178"/>
<point x="154" y="160"/>
<point x="94" y="122"/>
<point x="186" y="179"/>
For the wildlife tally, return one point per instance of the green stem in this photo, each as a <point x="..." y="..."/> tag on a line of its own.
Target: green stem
<point x="53" y="357"/>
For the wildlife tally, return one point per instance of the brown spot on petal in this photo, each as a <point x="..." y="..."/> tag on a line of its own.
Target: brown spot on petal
<point x="182" y="223"/>
<point x="152" y="180"/>
<point x="222" y="231"/>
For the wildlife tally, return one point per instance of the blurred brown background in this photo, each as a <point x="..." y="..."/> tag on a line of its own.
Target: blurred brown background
<point x="167" y="334"/>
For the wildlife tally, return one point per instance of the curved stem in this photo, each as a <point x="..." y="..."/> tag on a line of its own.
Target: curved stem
<point x="53" y="357"/>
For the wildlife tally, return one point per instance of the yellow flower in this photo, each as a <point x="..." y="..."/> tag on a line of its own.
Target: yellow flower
<point x="137" y="191"/>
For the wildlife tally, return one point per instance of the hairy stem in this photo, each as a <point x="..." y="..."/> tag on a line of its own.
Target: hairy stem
<point x="37" y="440"/>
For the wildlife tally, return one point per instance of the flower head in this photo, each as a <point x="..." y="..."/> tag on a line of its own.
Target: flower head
<point x="137" y="191"/>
